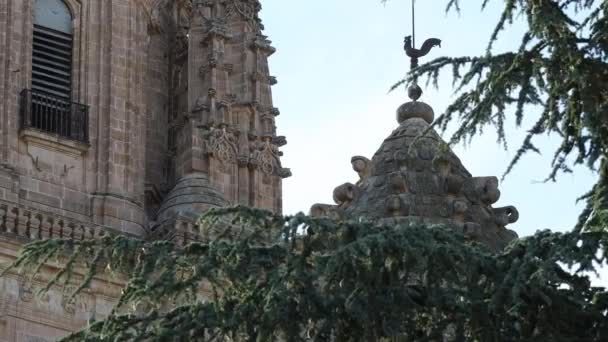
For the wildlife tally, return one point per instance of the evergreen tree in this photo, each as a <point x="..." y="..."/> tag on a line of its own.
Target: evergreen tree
<point x="320" y="280"/>
<point x="270" y="277"/>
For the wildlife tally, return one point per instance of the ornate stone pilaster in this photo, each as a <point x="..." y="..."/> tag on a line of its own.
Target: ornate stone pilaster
<point x="228" y="131"/>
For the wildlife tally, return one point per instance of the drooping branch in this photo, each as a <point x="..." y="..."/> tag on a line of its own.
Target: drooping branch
<point x="319" y="280"/>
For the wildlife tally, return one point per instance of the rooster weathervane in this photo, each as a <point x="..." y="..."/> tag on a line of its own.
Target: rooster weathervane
<point x="409" y="45"/>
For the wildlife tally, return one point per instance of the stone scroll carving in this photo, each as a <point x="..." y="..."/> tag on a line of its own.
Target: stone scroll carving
<point x="265" y="156"/>
<point x="246" y="9"/>
<point x="506" y="215"/>
<point x="222" y="145"/>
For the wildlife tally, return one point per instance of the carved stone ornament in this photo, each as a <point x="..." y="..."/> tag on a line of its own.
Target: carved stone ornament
<point x="265" y="156"/>
<point x="196" y="8"/>
<point x="200" y="105"/>
<point x="216" y="27"/>
<point x="285" y="173"/>
<point x="247" y="9"/>
<point x="279" y="140"/>
<point x="181" y="44"/>
<point x="154" y="22"/>
<point x="262" y="43"/>
<point x="68" y="303"/>
<point x="268" y="159"/>
<point x="361" y="165"/>
<point x="221" y="144"/>
<point x="345" y="194"/>
<point x="26" y="290"/>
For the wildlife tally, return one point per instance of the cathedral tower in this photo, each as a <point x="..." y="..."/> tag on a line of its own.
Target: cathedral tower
<point x="222" y="120"/>
<point x="129" y="117"/>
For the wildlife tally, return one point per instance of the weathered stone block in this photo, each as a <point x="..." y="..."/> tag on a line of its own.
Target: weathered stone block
<point x="76" y="201"/>
<point x="6" y="182"/>
<point x="37" y="197"/>
<point x="50" y="189"/>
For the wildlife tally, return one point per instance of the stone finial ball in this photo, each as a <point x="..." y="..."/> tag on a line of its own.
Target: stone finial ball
<point x="414" y="92"/>
<point x="415" y="109"/>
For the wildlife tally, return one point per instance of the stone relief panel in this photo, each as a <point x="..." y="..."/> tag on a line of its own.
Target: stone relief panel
<point x="265" y="156"/>
<point x="221" y="144"/>
<point x="26" y="289"/>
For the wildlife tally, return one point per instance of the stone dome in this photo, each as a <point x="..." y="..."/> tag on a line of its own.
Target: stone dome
<point x="191" y="197"/>
<point x="415" y="177"/>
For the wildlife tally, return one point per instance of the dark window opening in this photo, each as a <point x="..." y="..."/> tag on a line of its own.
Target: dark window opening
<point x="48" y="105"/>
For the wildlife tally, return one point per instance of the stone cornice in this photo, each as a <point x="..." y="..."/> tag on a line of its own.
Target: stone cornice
<point x="53" y="142"/>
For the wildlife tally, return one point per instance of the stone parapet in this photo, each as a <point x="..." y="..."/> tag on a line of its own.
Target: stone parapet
<point x="28" y="224"/>
<point x="178" y="229"/>
<point x="183" y="230"/>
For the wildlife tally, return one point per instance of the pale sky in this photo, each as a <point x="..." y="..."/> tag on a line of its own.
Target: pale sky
<point x="336" y="60"/>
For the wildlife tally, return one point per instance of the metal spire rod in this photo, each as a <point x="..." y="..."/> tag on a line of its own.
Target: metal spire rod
<point x="414" y="24"/>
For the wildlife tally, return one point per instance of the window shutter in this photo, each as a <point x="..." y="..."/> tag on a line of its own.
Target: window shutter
<point x="52" y="62"/>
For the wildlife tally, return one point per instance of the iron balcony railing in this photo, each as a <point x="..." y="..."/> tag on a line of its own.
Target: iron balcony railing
<point x="54" y="114"/>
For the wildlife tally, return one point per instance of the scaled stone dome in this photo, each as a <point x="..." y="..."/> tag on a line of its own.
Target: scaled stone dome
<point x="191" y="196"/>
<point x="415" y="177"/>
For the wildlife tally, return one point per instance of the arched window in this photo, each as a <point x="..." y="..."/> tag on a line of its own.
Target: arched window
<point x="48" y="105"/>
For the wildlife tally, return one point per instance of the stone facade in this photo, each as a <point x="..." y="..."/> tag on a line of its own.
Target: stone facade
<point x="180" y="119"/>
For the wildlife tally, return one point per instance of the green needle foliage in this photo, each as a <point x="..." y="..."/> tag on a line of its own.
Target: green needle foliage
<point x="320" y="280"/>
<point x="561" y="68"/>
